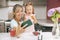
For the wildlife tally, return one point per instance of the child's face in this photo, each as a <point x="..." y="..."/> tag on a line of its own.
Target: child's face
<point x="18" y="13"/>
<point x="29" y="9"/>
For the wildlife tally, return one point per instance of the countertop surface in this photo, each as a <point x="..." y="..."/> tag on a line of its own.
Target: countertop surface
<point x="47" y="23"/>
<point x="28" y="36"/>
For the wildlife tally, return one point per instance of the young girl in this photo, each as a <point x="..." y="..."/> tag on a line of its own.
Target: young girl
<point x="15" y="22"/>
<point x="29" y="14"/>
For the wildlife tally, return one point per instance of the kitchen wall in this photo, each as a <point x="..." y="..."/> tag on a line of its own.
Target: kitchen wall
<point x="3" y="3"/>
<point x="40" y="12"/>
<point x="37" y="2"/>
<point x="4" y="11"/>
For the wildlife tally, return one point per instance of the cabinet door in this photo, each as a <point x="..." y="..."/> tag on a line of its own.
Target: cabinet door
<point x="2" y="29"/>
<point x="52" y="4"/>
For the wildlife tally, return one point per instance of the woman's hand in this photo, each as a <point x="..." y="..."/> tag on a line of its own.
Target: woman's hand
<point x="19" y="30"/>
<point x="22" y="30"/>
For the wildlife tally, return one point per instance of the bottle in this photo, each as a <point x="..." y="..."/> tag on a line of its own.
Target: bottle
<point x="40" y="35"/>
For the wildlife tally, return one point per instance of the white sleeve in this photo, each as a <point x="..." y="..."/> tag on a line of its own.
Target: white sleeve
<point x="13" y="24"/>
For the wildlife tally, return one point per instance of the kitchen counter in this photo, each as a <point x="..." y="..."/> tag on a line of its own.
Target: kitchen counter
<point x="25" y="36"/>
<point x="47" y="23"/>
<point x="28" y="36"/>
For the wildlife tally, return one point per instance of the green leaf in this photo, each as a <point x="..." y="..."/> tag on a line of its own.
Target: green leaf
<point x="55" y="15"/>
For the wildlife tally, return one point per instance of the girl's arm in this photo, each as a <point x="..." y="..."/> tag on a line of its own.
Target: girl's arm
<point x="34" y="18"/>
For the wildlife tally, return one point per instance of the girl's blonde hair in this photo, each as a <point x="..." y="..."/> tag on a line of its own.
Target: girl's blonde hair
<point x="29" y="3"/>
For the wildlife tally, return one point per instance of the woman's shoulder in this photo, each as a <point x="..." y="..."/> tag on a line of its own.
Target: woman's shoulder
<point x="13" y="21"/>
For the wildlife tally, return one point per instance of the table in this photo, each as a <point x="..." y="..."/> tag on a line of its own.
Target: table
<point x="24" y="36"/>
<point x="28" y="36"/>
<point x="49" y="36"/>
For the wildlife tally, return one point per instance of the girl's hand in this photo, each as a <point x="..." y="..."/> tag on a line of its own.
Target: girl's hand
<point x="34" y="18"/>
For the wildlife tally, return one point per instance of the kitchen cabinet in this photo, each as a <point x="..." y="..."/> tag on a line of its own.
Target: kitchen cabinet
<point x="2" y="28"/>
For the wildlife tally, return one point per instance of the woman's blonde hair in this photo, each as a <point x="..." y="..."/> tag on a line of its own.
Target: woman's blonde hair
<point x="15" y="9"/>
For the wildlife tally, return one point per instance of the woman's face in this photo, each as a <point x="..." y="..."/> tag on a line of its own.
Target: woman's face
<point x="18" y="13"/>
<point x="29" y="9"/>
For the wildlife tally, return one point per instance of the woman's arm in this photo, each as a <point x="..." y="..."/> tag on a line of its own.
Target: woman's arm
<point x="19" y="30"/>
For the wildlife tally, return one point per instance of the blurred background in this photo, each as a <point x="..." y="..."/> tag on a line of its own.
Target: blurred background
<point x="6" y="6"/>
<point x="41" y="8"/>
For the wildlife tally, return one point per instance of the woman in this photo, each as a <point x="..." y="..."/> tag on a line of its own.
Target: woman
<point x="16" y="21"/>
